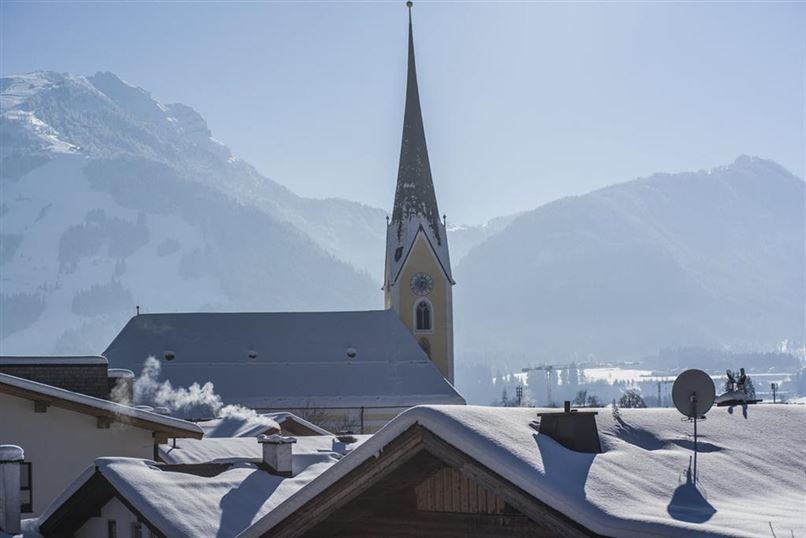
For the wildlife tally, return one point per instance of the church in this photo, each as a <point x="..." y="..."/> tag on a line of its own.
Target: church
<point x="342" y="370"/>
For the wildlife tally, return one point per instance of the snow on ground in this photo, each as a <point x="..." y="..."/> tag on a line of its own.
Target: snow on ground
<point x="750" y="471"/>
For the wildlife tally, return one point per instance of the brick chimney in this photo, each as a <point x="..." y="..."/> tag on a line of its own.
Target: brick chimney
<point x="572" y="428"/>
<point x="10" y="458"/>
<point x="277" y="453"/>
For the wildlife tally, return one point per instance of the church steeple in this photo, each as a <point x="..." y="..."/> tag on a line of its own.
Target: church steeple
<point x="414" y="196"/>
<point x="417" y="279"/>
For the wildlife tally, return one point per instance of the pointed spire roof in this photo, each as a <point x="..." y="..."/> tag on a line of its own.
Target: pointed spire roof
<point x="415" y="209"/>
<point x="414" y="195"/>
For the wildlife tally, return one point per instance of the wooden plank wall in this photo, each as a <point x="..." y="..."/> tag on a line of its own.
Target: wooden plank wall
<point x="450" y="491"/>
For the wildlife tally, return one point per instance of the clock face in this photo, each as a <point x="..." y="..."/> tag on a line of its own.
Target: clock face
<point x="422" y="283"/>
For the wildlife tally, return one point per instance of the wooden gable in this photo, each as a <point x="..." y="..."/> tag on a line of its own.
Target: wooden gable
<point x="421" y="486"/>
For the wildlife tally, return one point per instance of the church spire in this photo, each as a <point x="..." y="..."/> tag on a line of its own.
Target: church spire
<point x="414" y="196"/>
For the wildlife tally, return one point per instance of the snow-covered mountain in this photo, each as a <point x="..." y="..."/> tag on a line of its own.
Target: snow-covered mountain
<point x="713" y="258"/>
<point x="111" y="199"/>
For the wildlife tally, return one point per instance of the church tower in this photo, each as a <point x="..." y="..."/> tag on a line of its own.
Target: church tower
<point x="418" y="282"/>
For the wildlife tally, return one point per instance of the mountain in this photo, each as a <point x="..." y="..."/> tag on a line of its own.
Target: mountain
<point x="113" y="199"/>
<point x="464" y="238"/>
<point x="713" y="258"/>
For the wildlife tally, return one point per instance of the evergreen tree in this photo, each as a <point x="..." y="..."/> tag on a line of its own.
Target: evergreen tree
<point x="632" y="399"/>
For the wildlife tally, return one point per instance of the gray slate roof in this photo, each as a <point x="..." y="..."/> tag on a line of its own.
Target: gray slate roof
<point x="300" y="359"/>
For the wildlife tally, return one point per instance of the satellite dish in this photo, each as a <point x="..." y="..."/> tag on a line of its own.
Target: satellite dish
<point x="693" y="393"/>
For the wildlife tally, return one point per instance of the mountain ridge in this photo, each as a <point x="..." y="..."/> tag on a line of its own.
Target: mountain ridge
<point x="712" y="258"/>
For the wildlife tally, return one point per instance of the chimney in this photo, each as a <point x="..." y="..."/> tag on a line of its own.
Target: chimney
<point x="573" y="428"/>
<point x="277" y="453"/>
<point x="10" y="458"/>
<point x="121" y="385"/>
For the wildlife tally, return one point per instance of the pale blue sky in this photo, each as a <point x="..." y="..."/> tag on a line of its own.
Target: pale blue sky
<point x="523" y="102"/>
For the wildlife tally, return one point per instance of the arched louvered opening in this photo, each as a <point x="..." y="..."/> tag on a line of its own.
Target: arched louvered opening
<point x="423" y="316"/>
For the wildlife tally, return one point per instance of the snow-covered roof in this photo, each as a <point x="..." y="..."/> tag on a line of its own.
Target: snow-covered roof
<point x="82" y="403"/>
<point x="750" y="476"/>
<point x="247" y="425"/>
<point x="283" y="416"/>
<point x="28" y="360"/>
<point x="182" y="504"/>
<point x="238" y="426"/>
<point x="288" y="360"/>
<point x="240" y="449"/>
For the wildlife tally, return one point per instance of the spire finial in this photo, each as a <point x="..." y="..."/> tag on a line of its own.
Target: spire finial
<point x="409" y="4"/>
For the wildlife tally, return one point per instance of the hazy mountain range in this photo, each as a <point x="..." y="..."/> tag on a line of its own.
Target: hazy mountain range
<point x="714" y="258"/>
<point x="113" y="199"/>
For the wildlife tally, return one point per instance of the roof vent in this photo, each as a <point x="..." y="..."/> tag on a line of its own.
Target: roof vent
<point x="252" y="354"/>
<point x="343" y="441"/>
<point x="573" y="428"/>
<point x="162" y="411"/>
<point x="169" y="355"/>
<point x="351" y="353"/>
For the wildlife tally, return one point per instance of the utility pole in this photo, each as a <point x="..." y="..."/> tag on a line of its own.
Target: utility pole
<point x="660" y="397"/>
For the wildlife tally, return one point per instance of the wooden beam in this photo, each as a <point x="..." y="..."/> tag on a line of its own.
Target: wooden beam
<point x="104" y="423"/>
<point x="40" y="406"/>
<point x="360" y="479"/>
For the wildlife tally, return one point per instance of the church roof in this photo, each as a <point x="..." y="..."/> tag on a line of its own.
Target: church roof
<point x="415" y="206"/>
<point x="286" y="360"/>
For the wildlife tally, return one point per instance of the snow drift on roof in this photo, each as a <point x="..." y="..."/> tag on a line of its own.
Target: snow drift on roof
<point x="187" y="505"/>
<point x="251" y="424"/>
<point x="51" y="360"/>
<point x="240" y="449"/>
<point x="749" y="469"/>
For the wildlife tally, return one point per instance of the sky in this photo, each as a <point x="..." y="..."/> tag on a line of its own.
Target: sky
<point x="523" y="102"/>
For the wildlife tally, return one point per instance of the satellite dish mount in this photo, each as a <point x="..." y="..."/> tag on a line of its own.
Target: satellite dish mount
<point x="693" y="394"/>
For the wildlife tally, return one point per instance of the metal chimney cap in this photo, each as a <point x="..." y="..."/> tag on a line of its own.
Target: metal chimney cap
<point x="276" y="439"/>
<point x="11" y="453"/>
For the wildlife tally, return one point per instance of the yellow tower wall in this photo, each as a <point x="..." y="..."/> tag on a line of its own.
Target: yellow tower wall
<point x="422" y="259"/>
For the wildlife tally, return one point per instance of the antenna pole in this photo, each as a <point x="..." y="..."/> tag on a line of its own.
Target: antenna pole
<point x="694" y="412"/>
<point x="695" y="449"/>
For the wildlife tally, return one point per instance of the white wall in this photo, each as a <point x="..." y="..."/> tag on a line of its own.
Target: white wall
<point x="62" y="443"/>
<point x="96" y="527"/>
